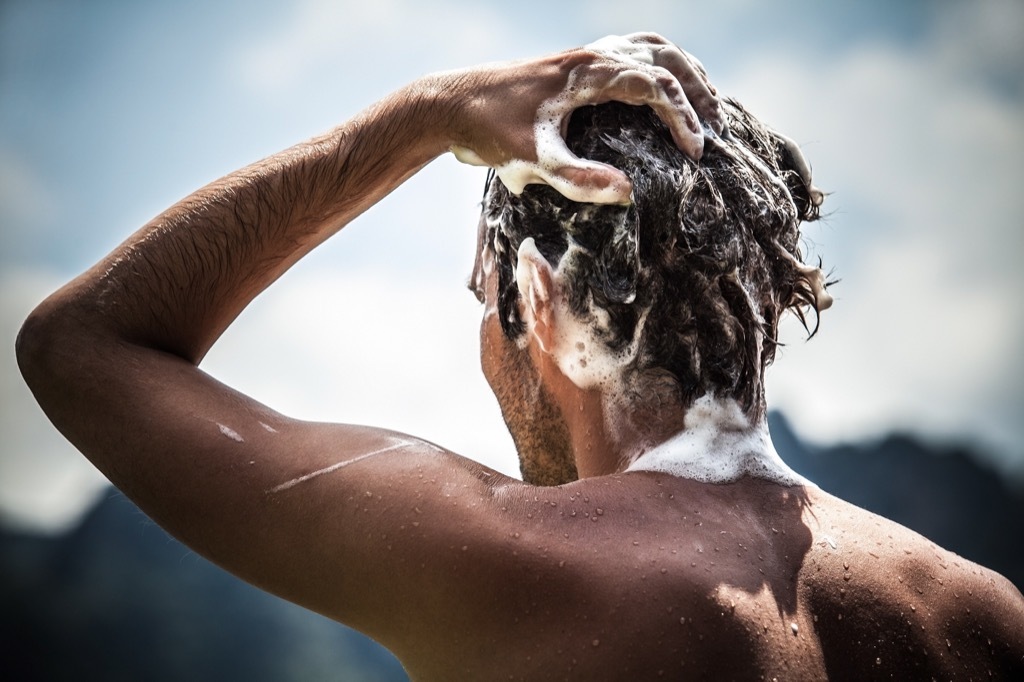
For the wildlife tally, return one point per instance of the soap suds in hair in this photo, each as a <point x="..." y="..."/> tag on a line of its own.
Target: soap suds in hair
<point x="676" y="298"/>
<point x="583" y="88"/>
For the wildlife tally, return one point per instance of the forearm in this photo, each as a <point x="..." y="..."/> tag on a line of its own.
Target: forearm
<point x="177" y="283"/>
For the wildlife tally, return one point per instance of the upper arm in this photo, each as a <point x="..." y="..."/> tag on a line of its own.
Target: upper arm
<point x="353" y="522"/>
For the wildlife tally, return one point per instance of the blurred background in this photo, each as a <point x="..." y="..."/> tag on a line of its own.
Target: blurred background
<point x="909" y="401"/>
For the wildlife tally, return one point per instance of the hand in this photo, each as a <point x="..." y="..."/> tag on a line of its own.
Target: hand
<point x="519" y="112"/>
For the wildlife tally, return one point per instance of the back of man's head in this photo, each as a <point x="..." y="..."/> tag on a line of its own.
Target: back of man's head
<point x="693" y="276"/>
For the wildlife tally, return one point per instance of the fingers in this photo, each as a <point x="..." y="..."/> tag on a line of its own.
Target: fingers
<point x="576" y="179"/>
<point x="641" y="69"/>
<point x="590" y="182"/>
<point x="659" y="89"/>
<point x="693" y="80"/>
<point x="644" y="68"/>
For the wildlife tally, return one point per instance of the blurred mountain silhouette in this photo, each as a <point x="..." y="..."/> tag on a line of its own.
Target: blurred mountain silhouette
<point x="118" y="599"/>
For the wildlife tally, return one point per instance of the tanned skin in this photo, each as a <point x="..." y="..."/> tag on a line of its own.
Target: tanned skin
<point x="464" y="573"/>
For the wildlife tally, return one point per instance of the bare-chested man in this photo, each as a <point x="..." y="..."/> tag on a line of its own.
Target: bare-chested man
<point x="657" y="533"/>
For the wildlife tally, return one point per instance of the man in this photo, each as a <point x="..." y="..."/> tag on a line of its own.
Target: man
<point x="625" y="338"/>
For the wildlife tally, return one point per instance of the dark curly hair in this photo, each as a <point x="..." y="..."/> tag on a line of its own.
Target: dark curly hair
<point x="701" y="265"/>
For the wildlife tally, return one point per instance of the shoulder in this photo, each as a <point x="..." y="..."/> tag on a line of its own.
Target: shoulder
<point x="881" y="588"/>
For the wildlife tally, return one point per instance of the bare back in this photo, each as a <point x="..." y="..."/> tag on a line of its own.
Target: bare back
<point x="642" y="575"/>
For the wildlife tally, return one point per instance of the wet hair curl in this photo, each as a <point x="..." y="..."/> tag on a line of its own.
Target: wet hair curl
<point x="701" y="264"/>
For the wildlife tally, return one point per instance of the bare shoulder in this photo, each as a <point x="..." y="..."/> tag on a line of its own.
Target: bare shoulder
<point x="879" y="588"/>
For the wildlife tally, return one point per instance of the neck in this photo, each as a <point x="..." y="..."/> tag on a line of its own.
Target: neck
<point x="608" y="434"/>
<point x="610" y="427"/>
<point x="719" y="444"/>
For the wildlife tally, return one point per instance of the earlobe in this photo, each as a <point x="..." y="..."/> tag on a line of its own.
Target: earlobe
<point x="536" y="284"/>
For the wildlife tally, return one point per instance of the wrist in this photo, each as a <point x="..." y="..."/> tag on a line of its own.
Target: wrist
<point x="435" y="110"/>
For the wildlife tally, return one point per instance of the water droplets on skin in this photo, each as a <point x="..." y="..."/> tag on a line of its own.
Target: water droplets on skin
<point x="795" y="628"/>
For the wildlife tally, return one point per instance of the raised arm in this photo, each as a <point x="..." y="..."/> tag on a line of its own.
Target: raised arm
<point x="321" y="514"/>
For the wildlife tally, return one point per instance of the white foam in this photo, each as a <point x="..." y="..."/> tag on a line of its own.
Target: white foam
<point x="719" y="445"/>
<point x="583" y="87"/>
<point x="577" y="347"/>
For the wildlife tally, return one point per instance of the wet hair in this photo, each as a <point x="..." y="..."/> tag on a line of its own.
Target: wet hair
<point x="701" y="264"/>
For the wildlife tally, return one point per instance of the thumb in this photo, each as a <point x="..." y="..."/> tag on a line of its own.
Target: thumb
<point x="590" y="182"/>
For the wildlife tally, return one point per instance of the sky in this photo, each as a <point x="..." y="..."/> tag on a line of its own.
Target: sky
<point x="911" y="114"/>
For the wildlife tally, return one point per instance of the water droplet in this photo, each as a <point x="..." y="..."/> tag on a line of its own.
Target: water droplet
<point x="596" y="642"/>
<point x="516" y="534"/>
<point x="795" y="628"/>
<point x="600" y="512"/>
<point x="846" y="565"/>
<point x="664" y="571"/>
<point x="878" y="661"/>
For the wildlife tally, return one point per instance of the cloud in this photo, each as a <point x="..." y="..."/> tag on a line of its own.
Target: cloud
<point x="372" y="47"/>
<point x="363" y="347"/>
<point x="28" y="207"/>
<point x="925" y="163"/>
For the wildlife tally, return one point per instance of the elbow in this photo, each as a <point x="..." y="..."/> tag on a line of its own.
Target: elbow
<point x="34" y="343"/>
<point x="45" y="345"/>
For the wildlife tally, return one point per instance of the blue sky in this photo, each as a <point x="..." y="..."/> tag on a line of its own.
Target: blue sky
<point x="910" y="113"/>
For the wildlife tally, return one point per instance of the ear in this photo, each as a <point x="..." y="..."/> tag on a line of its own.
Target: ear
<point x="536" y="283"/>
